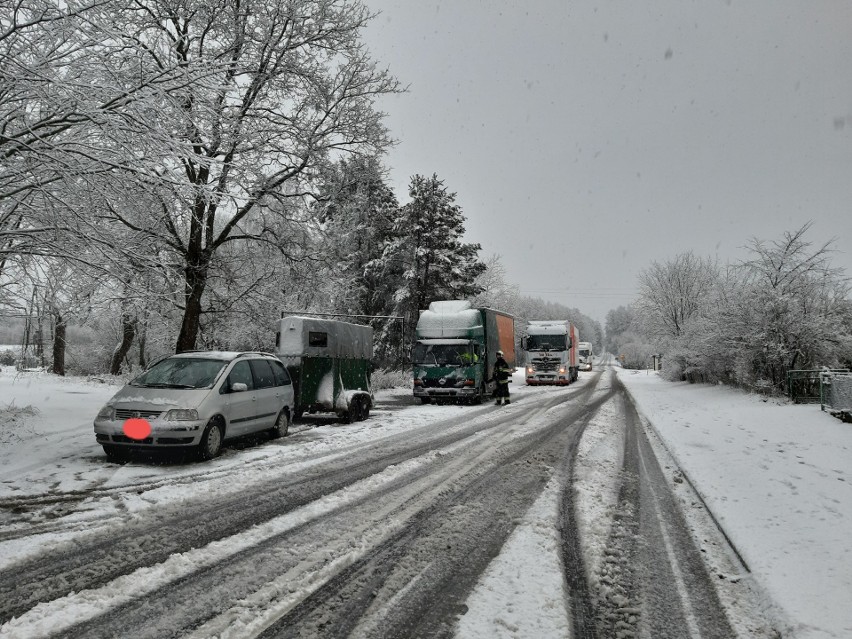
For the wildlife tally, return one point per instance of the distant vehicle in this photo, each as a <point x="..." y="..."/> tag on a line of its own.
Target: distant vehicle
<point x="551" y="352"/>
<point x="586" y="356"/>
<point x="329" y="362"/>
<point x="198" y="400"/>
<point x="456" y="348"/>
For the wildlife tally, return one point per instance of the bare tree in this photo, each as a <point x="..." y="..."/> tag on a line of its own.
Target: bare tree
<point x="57" y="107"/>
<point x="794" y="310"/>
<point x="671" y="293"/>
<point x="273" y="90"/>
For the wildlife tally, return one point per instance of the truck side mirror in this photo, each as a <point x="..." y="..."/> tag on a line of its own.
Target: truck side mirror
<point x="524" y="343"/>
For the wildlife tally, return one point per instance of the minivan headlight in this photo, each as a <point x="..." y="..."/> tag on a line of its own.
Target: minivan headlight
<point x="181" y="415"/>
<point x="107" y="412"/>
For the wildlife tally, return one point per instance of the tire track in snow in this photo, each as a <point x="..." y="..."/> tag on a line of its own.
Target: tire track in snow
<point x="91" y="562"/>
<point x="653" y="579"/>
<point x="415" y="585"/>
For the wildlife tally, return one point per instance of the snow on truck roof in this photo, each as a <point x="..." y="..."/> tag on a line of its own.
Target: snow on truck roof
<point x="448" y="318"/>
<point x="547" y="327"/>
<point x="448" y="307"/>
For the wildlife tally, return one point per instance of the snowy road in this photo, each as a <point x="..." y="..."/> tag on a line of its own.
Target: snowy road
<point x="393" y="528"/>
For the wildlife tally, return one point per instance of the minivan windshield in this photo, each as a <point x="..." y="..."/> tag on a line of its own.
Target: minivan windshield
<point x="181" y="372"/>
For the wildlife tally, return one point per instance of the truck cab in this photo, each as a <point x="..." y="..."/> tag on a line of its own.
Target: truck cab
<point x="551" y="352"/>
<point x="456" y="349"/>
<point x="585" y="356"/>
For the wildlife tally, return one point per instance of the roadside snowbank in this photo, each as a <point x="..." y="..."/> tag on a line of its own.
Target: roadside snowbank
<point x="778" y="477"/>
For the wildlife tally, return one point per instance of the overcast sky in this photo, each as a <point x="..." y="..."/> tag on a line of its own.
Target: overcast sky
<point x="587" y="139"/>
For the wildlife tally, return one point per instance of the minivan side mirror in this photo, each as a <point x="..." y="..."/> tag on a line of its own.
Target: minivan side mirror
<point x="238" y="387"/>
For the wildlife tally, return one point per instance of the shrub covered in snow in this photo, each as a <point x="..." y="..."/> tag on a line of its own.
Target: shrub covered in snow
<point x="785" y="308"/>
<point x="391" y="378"/>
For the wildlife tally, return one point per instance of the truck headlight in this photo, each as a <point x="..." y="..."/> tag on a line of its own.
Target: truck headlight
<point x="107" y="412"/>
<point x="181" y="415"/>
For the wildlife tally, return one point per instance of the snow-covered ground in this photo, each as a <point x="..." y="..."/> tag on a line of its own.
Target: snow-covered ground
<point x="776" y="476"/>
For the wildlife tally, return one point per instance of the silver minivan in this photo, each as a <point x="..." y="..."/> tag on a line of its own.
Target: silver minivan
<point x="198" y="399"/>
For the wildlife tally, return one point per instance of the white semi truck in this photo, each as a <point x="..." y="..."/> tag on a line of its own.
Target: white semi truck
<point x="551" y="352"/>
<point x="586" y="356"/>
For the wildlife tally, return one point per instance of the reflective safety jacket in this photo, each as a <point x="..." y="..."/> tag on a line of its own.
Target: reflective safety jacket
<point x="502" y="372"/>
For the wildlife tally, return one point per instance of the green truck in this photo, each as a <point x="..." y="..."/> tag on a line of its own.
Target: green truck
<point x="329" y="362"/>
<point x="456" y="347"/>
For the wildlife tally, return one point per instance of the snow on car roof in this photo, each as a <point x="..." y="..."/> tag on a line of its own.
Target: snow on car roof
<point x="225" y="355"/>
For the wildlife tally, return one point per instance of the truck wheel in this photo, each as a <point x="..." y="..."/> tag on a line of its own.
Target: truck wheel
<point x="480" y="396"/>
<point x="282" y="424"/>
<point x="211" y="441"/>
<point x="426" y="400"/>
<point x="365" y="411"/>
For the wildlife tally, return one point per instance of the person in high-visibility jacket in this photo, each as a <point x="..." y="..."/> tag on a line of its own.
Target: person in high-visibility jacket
<point x="502" y="372"/>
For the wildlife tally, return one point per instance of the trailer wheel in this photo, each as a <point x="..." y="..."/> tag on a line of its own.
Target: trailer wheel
<point x="360" y="407"/>
<point x="353" y="413"/>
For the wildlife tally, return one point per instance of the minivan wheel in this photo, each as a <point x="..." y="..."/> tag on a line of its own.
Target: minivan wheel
<point x="211" y="441"/>
<point x="115" y="453"/>
<point x="282" y="424"/>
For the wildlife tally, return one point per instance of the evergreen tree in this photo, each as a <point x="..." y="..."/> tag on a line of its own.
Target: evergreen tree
<point x="426" y="253"/>
<point x="357" y="212"/>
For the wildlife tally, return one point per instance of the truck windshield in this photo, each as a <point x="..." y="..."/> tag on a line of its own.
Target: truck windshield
<point x="546" y="342"/>
<point x="442" y="355"/>
<point x="585" y="352"/>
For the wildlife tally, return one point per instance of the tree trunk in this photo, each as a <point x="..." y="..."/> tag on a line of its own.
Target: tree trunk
<point x="142" y="340"/>
<point x="59" y="346"/>
<point x="128" y="330"/>
<point x="196" y="280"/>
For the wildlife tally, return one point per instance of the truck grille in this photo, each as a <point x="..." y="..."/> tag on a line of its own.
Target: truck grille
<point x="433" y="383"/>
<point x="546" y="366"/>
